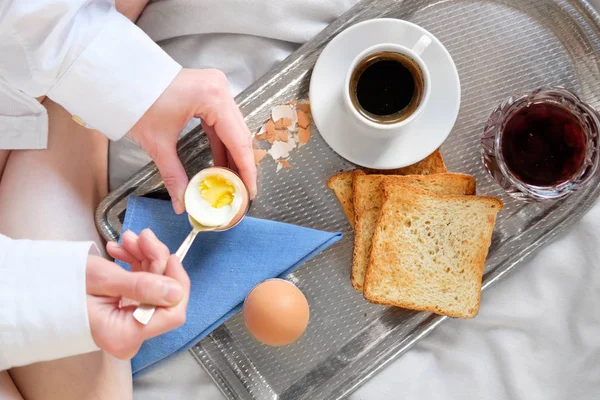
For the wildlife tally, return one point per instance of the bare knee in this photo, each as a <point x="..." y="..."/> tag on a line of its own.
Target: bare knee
<point x="52" y="194"/>
<point x="132" y="9"/>
<point x="8" y="390"/>
<point x="90" y="376"/>
<point x="3" y="158"/>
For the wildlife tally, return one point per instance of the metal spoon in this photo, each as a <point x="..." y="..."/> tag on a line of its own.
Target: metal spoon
<point x="143" y="313"/>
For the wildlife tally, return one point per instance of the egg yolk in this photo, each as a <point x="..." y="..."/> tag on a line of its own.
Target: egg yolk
<point x="217" y="191"/>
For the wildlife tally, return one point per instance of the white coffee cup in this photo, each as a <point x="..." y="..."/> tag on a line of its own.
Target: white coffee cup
<point x="381" y="129"/>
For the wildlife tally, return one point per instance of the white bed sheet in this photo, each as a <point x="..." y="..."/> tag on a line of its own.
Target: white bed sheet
<point x="537" y="335"/>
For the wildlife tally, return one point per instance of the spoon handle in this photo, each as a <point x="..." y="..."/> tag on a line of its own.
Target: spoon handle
<point x="187" y="243"/>
<point x="144" y="312"/>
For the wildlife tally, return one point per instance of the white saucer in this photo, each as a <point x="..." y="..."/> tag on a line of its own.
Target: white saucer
<point x="345" y="135"/>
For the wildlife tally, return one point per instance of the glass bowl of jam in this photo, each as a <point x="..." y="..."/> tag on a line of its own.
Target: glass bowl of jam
<point x="542" y="145"/>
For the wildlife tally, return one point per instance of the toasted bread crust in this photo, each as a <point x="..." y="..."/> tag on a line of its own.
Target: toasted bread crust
<point x="401" y="271"/>
<point x="432" y="164"/>
<point x="341" y="184"/>
<point x="368" y="198"/>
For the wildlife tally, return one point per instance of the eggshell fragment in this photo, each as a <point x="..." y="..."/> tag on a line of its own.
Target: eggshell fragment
<point x="266" y="131"/>
<point x="281" y="134"/>
<point x="283" y="123"/>
<point x="259" y="154"/>
<point x="303" y="119"/>
<point x="303" y="135"/>
<point x="287" y="129"/>
<point x="287" y="112"/>
<point x="261" y="136"/>
<point x="281" y="149"/>
<point x="285" y="163"/>
<point x="276" y="312"/>
<point x="304" y="107"/>
<point x="269" y="126"/>
<point x="271" y="134"/>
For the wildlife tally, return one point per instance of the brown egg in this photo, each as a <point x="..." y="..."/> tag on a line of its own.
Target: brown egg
<point x="276" y="312"/>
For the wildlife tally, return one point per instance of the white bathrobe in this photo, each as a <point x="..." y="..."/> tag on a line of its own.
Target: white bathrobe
<point x="94" y="62"/>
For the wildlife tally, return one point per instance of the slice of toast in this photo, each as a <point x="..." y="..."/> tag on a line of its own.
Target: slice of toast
<point x="368" y="198"/>
<point x="341" y="184"/>
<point x="429" y="251"/>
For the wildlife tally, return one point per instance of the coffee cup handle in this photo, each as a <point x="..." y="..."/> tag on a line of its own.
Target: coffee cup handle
<point x="421" y="44"/>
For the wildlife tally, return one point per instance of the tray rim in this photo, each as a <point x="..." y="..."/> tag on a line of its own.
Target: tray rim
<point x="149" y="173"/>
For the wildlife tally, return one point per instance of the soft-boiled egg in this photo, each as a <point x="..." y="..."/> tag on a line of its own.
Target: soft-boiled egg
<point x="215" y="197"/>
<point x="276" y="312"/>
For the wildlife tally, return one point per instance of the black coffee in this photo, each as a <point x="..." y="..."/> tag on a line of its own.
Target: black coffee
<point x="387" y="87"/>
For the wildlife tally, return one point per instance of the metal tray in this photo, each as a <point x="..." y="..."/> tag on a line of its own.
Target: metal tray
<point x="500" y="48"/>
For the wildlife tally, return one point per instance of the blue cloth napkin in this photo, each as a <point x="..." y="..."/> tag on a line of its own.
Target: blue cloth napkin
<point x="223" y="268"/>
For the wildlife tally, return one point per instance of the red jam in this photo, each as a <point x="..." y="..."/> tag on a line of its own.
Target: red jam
<point x="543" y="145"/>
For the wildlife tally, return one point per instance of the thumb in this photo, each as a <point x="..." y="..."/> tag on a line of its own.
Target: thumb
<point x="105" y="278"/>
<point x="173" y="174"/>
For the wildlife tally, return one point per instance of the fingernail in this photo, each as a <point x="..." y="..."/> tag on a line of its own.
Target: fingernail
<point x="178" y="206"/>
<point x="148" y="231"/>
<point x="252" y="193"/>
<point x="172" y="292"/>
<point x="130" y="233"/>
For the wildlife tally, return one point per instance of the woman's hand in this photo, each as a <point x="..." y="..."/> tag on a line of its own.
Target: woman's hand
<point x="156" y="278"/>
<point x="203" y="94"/>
